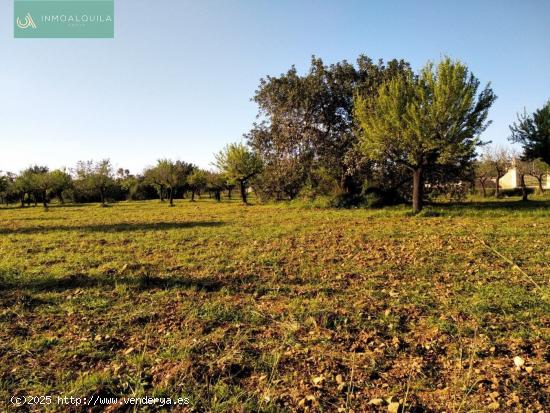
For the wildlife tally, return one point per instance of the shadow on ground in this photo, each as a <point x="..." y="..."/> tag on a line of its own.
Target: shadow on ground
<point x="497" y="205"/>
<point x="119" y="227"/>
<point x="55" y="284"/>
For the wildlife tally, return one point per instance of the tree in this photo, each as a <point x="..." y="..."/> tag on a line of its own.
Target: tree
<point x="216" y="182"/>
<point x="96" y="177"/>
<point x="533" y="133"/>
<point x="6" y="187"/>
<point x="522" y="169"/>
<point x="58" y="181"/>
<point x="500" y="159"/>
<point x="30" y="183"/>
<point x="426" y="121"/>
<point x="197" y="182"/>
<point x="170" y="177"/>
<point x="173" y="175"/>
<point x="237" y="162"/>
<point x="152" y="177"/>
<point x="307" y="128"/>
<point x="484" y="172"/>
<point x="538" y="169"/>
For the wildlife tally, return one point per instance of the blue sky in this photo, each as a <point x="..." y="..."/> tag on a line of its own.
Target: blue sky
<point x="177" y="79"/>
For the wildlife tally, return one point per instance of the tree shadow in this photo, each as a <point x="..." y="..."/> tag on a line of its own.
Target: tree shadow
<point x="73" y="282"/>
<point x="497" y="205"/>
<point x="41" y="207"/>
<point x="118" y="227"/>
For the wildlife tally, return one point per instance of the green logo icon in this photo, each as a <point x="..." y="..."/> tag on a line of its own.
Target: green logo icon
<point x="63" y="19"/>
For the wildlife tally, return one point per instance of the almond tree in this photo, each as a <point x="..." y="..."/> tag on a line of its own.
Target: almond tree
<point x="500" y="160"/>
<point x="97" y="177"/>
<point x="173" y="175"/>
<point x="237" y="162"/>
<point x="539" y="169"/>
<point x="426" y="121"/>
<point x="483" y="174"/>
<point x="522" y="169"/>
<point x="196" y="182"/>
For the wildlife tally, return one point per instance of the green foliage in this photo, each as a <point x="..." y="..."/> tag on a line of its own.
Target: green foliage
<point x="533" y="133"/>
<point x="171" y="175"/>
<point x="307" y="125"/>
<point x="238" y="162"/>
<point x="95" y="178"/>
<point x="425" y="121"/>
<point x="197" y="181"/>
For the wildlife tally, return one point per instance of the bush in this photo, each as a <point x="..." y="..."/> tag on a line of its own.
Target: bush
<point x="346" y="201"/>
<point x="515" y="192"/>
<point x="375" y="197"/>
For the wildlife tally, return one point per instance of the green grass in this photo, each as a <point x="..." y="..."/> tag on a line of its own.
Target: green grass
<point x="277" y="307"/>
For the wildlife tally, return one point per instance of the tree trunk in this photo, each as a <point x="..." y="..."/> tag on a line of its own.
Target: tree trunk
<point x="44" y="200"/>
<point x="229" y="193"/>
<point x="523" y="188"/>
<point x="218" y="195"/>
<point x="243" y="191"/>
<point x="418" y="189"/>
<point x="23" y="200"/>
<point x="193" y="195"/>
<point x="483" y="188"/>
<point x="497" y="191"/>
<point x="171" y="195"/>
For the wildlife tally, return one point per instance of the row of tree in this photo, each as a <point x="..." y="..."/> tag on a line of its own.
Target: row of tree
<point x="495" y="162"/>
<point x="369" y="131"/>
<point x="378" y="129"/>
<point x="97" y="181"/>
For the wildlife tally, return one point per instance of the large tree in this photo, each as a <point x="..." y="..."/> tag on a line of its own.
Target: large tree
<point x="306" y="126"/>
<point x="533" y="133"/>
<point x="238" y="162"/>
<point x="424" y="122"/>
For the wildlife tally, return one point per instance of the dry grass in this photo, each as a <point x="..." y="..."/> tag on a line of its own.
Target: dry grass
<point x="277" y="307"/>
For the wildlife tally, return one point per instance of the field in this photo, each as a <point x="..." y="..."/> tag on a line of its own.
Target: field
<point x="277" y="307"/>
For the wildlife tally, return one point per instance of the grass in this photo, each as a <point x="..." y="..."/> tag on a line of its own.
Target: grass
<point x="277" y="307"/>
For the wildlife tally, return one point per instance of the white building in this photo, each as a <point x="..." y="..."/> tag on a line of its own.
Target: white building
<point x="511" y="180"/>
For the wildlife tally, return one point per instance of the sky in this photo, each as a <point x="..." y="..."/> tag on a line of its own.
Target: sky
<point x="177" y="79"/>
